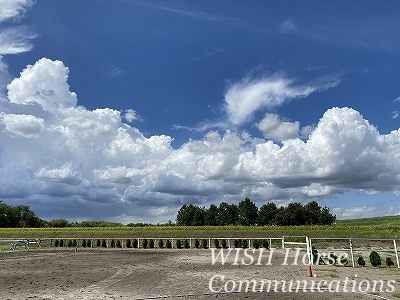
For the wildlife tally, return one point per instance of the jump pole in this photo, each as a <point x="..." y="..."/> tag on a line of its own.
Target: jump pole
<point x="397" y="254"/>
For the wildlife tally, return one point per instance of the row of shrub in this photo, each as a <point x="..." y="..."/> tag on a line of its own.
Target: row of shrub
<point x="239" y="243"/>
<point x="374" y="259"/>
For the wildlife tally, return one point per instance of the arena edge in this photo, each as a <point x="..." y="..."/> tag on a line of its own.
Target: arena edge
<point x="218" y="284"/>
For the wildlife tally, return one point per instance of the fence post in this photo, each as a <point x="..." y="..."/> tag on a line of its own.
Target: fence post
<point x="283" y="242"/>
<point x="351" y="252"/>
<point x="397" y="254"/>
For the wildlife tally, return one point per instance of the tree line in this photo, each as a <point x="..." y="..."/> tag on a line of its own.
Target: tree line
<point x="247" y="213"/>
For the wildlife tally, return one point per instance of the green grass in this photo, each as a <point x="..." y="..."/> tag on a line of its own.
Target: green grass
<point x="336" y="231"/>
<point x="387" y="221"/>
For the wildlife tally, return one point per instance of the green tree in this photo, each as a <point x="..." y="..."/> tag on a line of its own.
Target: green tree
<point x="267" y="213"/>
<point x="190" y="215"/>
<point x="211" y="217"/>
<point x="326" y="218"/>
<point x="228" y="214"/>
<point x="312" y="213"/>
<point x="248" y="212"/>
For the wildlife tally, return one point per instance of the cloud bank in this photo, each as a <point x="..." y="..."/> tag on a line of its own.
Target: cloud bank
<point x="67" y="161"/>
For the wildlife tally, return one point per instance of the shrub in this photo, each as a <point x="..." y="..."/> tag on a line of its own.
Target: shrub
<point x="204" y="243"/>
<point x="104" y="243"/>
<point x="168" y="244"/>
<point x="128" y="243"/>
<point x="98" y="243"/>
<point x="223" y="244"/>
<point x="84" y="243"/>
<point x="69" y="244"/>
<point x="265" y="244"/>
<point x="151" y="243"/>
<point x="144" y="243"/>
<point x="74" y="243"/>
<point x="361" y="261"/>
<point x="389" y="262"/>
<point x="89" y="243"/>
<point x="186" y="244"/>
<point x="344" y="261"/>
<point x="332" y="258"/>
<point x="375" y="259"/>
<point x="61" y="243"/>
<point x="56" y="243"/>
<point x="245" y="244"/>
<point x="256" y="244"/>
<point x="118" y="244"/>
<point x="178" y="244"/>
<point x="196" y="243"/>
<point x="237" y="243"/>
<point x="160" y="243"/>
<point x="112" y="244"/>
<point x="135" y="243"/>
<point x="216" y="243"/>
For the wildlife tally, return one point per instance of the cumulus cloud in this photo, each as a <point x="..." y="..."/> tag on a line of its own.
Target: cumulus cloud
<point x="250" y="94"/>
<point x="67" y="161"/>
<point x="131" y="115"/>
<point x="276" y="129"/>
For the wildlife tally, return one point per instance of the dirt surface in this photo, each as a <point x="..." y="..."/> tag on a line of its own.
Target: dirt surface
<point x="124" y="274"/>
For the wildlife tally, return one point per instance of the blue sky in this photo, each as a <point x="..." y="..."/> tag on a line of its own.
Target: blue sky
<point x="126" y="110"/>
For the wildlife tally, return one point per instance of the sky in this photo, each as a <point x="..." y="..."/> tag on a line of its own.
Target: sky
<point x="126" y="110"/>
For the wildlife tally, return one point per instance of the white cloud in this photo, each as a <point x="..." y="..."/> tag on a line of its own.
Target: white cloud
<point x="274" y="128"/>
<point x="394" y="114"/>
<point x="23" y="125"/>
<point x="60" y="157"/>
<point x="288" y="26"/>
<point x="14" y="9"/>
<point x="15" y="40"/>
<point x="243" y="98"/>
<point x="131" y="115"/>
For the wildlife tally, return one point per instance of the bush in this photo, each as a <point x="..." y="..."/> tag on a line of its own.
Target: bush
<point x="98" y="243"/>
<point x="61" y="243"/>
<point x="74" y="243"/>
<point x="178" y="244"/>
<point x="151" y="243"/>
<point x="56" y="243"/>
<point x="344" y="261"/>
<point x="256" y="244"/>
<point x="112" y="244"/>
<point x="104" y="243"/>
<point x="83" y="243"/>
<point x="196" y="243"/>
<point x="389" y="262"/>
<point x="237" y="243"/>
<point x="375" y="259"/>
<point x="216" y="243"/>
<point x="245" y="244"/>
<point x="204" y="243"/>
<point x="186" y="244"/>
<point x="265" y="244"/>
<point x="135" y="243"/>
<point x="89" y="243"/>
<point x="118" y="244"/>
<point x="223" y="244"/>
<point x="69" y="244"/>
<point x="128" y="243"/>
<point x="361" y="261"/>
<point x="145" y="243"/>
<point x="332" y="258"/>
<point x="160" y="243"/>
<point x="168" y="244"/>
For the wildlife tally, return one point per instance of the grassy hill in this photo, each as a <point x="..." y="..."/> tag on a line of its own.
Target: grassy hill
<point x="376" y="221"/>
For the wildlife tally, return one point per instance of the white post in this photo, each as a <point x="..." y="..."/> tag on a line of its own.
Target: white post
<point x="229" y="243"/>
<point x="283" y="242"/>
<point x="308" y="251"/>
<point x="397" y="254"/>
<point x="351" y="252"/>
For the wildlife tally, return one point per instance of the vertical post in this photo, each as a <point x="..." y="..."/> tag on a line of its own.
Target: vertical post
<point x="209" y="243"/>
<point x="308" y="251"/>
<point x="397" y="254"/>
<point x="138" y="243"/>
<point x="311" y="252"/>
<point x="283" y="242"/>
<point x="229" y="243"/>
<point x="190" y="243"/>
<point x="270" y="243"/>
<point x="351" y="252"/>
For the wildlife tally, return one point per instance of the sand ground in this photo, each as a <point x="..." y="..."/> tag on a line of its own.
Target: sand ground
<point x="123" y="274"/>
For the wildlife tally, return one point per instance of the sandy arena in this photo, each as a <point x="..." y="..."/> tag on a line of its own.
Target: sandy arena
<point x="124" y="274"/>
